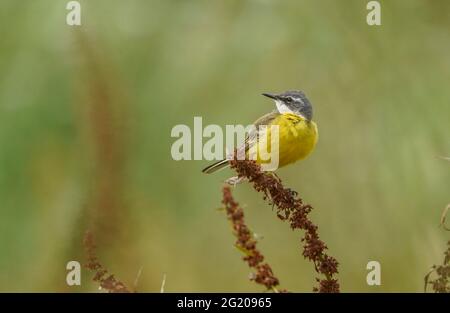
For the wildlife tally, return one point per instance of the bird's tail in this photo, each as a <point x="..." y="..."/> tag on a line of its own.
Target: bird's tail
<point x="216" y="166"/>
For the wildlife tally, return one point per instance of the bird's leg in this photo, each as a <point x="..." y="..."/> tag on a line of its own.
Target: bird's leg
<point x="233" y="181"/>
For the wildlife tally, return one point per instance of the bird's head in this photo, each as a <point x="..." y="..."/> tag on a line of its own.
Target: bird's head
<point x="292" y="102"/>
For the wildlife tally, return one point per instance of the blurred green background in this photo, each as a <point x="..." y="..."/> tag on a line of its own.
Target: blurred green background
<point x="86" y="114"/>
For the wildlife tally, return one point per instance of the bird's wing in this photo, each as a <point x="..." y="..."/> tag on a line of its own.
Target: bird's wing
<point x="266" y="119"/>
<point x="252" y="136"/>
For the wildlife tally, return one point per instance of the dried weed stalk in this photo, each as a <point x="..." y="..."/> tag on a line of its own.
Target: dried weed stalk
<point x="107" y="281"/>
<point x="291" y="208"/>
<point x="441" y="284"/>
<point x="246" y="242"/>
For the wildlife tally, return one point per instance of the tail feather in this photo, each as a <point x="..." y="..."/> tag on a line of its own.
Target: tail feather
<point x="216" y="166"/>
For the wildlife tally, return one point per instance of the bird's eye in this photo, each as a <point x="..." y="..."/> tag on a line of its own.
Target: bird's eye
<point x="289" y="99"/>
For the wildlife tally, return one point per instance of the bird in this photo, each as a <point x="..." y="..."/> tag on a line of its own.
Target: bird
<point x="297" y="132"/>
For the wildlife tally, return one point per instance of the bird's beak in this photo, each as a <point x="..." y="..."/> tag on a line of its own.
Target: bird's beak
<point x="268" y="95"/>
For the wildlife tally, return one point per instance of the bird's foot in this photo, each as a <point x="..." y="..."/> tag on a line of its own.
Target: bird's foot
<point x="233" y="181"/>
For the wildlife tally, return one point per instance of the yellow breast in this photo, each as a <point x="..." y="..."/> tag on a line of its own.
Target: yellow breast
<point x="297" y="138"/>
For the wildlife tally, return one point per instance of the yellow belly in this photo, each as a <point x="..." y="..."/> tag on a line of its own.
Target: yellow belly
<point x="297" y="139"/>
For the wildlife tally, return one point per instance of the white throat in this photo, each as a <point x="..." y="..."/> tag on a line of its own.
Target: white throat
<point x="283" y="108"/>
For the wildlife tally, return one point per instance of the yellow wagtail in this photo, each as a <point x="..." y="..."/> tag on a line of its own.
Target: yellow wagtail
<point x="297" y="133"/>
